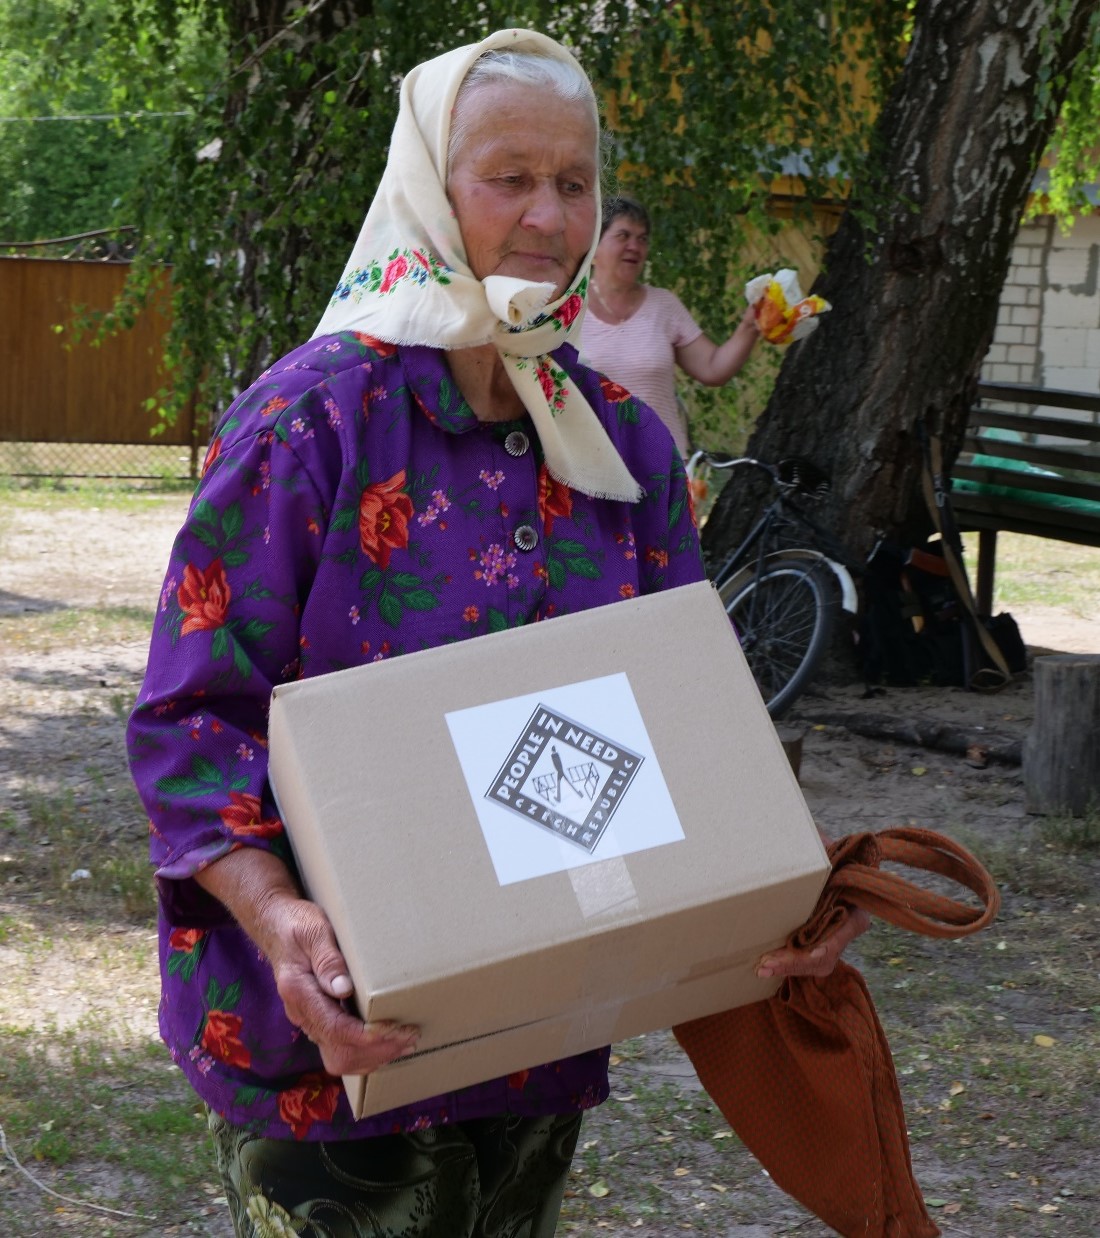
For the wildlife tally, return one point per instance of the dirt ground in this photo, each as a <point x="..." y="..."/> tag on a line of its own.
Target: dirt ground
<point x="62" y="703"/>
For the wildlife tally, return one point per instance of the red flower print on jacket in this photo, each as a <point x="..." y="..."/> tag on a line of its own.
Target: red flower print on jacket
<point x="203" y="598"/>
<point x="275" y="405"/>
<point x="242" y="816"/>
<point x="384" y="513"/>
<point x="185" y="939"/>
<point x="212" y="453"/>
<point x="381" y="347"/>
<point x="314" y="1100"/>
<point x="221" y="1038"/>
<point x="555" y="499"/>
<point x="613" y="392"/>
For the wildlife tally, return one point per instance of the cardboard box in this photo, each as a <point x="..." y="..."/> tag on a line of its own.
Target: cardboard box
<point x="548" y="839"/>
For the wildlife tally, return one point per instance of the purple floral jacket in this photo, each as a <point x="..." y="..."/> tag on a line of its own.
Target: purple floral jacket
<point x="353" y="508"/>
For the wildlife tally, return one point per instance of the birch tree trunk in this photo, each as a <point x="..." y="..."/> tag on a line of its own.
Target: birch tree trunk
<point x="915" y="274"/>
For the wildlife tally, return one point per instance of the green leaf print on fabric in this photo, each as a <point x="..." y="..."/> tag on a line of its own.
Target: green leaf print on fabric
<point x="567" y="557"/>
<point x="185" y="948"/>
<point x="217" y="531"/>
<point x="393" y="602"/>
<point x="205" y="779"/>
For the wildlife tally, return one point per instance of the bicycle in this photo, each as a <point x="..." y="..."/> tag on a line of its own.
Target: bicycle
<point x="782" y="583"/>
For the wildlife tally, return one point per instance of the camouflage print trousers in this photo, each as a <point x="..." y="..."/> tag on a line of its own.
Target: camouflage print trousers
<point x="488" y="1178"/>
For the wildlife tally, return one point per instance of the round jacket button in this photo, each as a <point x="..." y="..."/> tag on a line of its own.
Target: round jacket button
<point x="525" y="537"/>
<point x="517" y="443"/>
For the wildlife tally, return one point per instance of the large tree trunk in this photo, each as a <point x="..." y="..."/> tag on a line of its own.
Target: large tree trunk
<point x="915" y="291"/>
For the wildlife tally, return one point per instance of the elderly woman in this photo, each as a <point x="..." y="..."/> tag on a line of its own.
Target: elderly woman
<point x="637" y="335"/>
<point x="433" y="464"/>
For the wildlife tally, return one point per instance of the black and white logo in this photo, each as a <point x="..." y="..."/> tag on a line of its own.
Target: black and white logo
<point x="565" y="777"/>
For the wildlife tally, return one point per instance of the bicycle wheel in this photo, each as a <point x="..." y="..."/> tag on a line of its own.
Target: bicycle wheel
<point x="783" y="617"/>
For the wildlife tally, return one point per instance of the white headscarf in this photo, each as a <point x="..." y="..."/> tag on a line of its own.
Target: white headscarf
<point x="407" y="280"/>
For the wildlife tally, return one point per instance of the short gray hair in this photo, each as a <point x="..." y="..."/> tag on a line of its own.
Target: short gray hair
<point x="565" y="78"/>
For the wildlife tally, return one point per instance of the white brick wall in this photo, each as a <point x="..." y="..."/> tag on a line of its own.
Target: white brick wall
<point x="1048" y="322"/>
<point x="1084" y="234"/>
<point x="999" y="372"/>
<point x="1071" y="379"/>
<point x="1068" y="268"/>
<point x="1024" y="315"/>
<point x="1065" y="310"/>
<point x="1065" y="349"/>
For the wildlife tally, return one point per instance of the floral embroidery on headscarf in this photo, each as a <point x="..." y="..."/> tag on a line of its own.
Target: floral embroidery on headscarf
<point x="417" y="266"/>
<point x="554" y="383"/>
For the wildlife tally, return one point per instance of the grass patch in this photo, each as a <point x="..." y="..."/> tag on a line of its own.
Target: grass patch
<point x="1072" y="833"/>
<point x="75" y="625"/>
<point x="104" y="1121"/>
<point x="1038" y="571"/>
<point x="134" y="493"/>
<point x="58" y="841"/>
<point x="1039" y="863"/>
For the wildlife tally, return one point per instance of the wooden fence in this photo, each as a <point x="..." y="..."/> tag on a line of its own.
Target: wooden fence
<point x="57" y="391"/>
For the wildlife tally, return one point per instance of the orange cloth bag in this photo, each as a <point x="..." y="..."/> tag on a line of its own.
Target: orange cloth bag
<point x="806" y="1078"/>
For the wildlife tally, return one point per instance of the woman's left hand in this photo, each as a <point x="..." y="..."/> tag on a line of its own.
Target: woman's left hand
<point x="818" y="960"/>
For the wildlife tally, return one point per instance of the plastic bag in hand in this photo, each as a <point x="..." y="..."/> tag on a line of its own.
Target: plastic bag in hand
<point x="782" y="313"/>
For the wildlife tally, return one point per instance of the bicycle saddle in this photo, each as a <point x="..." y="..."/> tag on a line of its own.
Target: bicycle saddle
<point x="802" y="475"/>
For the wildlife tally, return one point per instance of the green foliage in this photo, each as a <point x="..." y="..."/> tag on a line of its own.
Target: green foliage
<point x="66" y="166"/>
<point x="1075" y="157"/>
<point x="258" y="215"/>
<point x="255" y="195"/>
<point x="736" y="101"/>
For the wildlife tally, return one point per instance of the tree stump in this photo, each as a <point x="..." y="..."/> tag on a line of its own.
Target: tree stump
<point x="791" y="738"/>
<point x="1061" y="755"/>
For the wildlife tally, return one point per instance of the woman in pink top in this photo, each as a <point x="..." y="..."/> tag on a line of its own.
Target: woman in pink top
<point x="637" y="335"/>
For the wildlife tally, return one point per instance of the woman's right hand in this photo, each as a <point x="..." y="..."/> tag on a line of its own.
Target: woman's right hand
<point x="296" y="937"/>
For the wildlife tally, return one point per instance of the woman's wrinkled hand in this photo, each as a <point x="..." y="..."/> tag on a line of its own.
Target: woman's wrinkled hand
<point x="816" y="960"/>
<point x="296" y="938"/>
<point x="312" y="980"/>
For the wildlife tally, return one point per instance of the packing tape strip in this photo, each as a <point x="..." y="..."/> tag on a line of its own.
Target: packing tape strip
<point x="605" y="890"/>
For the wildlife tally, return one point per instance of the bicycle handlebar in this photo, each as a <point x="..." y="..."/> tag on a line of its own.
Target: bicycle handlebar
<point x="792" y="473"/>
<point x="717" y="461"/>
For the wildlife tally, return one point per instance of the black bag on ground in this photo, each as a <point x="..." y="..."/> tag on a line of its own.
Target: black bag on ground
<point x="1006" y="632"/>
<point x="919" y="623"/>
<point x="993" y="650"/>
<point x="911" y="628"/>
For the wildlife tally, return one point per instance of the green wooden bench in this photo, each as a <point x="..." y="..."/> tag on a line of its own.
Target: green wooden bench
<point x="1027" y="473"/>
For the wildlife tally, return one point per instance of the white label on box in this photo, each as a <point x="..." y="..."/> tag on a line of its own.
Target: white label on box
<point x="563" y="778"/>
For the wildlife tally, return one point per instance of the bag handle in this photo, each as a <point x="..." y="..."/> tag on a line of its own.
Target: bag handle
<point x="857" y="880"/>
<point x="891" y="897"/>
